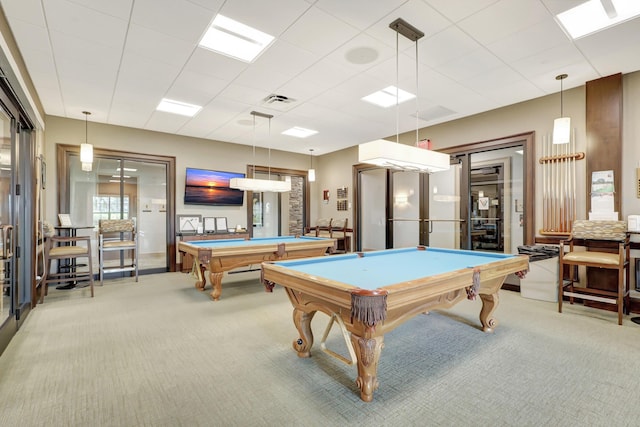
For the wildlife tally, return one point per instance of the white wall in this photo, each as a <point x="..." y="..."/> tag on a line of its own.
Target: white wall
<point x="189" y="152"/>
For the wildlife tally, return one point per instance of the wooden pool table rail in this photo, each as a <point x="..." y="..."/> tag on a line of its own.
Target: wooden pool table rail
<point x="219" y="260"/>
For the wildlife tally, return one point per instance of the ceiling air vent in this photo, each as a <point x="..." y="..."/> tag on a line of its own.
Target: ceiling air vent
<point x="278" y="98"/>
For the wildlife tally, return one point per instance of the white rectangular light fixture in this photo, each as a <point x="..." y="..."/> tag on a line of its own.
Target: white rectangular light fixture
<point x="394" y="155"/>
<point x="311" y="174"/>
<point x="260" y="185"/>
<point x="178" y="107"/>
<point x="561" y="130"/>
<point x="595" y="15"/>
<point x="299" y="132"/>
<point x="234" y="39"/>
<point x="387" y="97"/>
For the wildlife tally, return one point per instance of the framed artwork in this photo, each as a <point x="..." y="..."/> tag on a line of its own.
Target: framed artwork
<point x="65" y="220"/>
<point x="342" y="193"/>
<point x="188" y="223"/>
<point x="209" y="224"/>
<point x="221" y="224"/>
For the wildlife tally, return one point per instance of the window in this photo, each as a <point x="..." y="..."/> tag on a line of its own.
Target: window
<point x="108" y="207"/>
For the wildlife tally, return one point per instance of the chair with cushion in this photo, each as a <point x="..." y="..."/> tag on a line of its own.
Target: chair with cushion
<point x="607" y="246"/>
<point x="340" y="232"/>
<point x="119" y="236"/>
<point x="321" y="229"/>
<point x="70" y="249"/>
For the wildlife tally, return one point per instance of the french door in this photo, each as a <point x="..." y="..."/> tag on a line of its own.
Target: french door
<point x="478" y="204"/>
<point x="123" y="187"/>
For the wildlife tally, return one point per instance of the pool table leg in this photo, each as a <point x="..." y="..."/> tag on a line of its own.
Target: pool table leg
<point x="216" y="283"/>
<point x="302" y="320"/>
<point x="198" y="270"/>
<point x="489" y="305"/>
<point x="368" y="353"/>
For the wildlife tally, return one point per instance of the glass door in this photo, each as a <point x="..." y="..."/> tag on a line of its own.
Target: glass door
<point x="445" y="224"/>
<point x="118" y="188"/>
<point x="496" y="210"/>
<point x="7" y="226"/>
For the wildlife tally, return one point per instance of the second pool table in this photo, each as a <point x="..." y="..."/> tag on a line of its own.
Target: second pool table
<point x="223" y="255"/>
<point x="372" y="293"/>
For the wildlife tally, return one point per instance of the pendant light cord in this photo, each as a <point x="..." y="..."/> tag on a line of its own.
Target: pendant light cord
<point x="417" y="97"/>
<point x="397" y="88"/>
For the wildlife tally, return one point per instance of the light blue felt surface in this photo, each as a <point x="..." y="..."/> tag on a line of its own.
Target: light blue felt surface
<point x="222" y="243"/>
<point x="384" y="268"/>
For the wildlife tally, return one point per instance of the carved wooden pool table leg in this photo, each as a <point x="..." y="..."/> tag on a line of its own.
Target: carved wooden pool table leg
<point x="302" y="320"/>
<point x="368" y="353"/>
<point x="216" y="283"/>
<point x="489" y="305"/>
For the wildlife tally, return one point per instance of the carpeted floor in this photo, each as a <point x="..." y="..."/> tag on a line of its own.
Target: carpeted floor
<point x="160" y="353"/>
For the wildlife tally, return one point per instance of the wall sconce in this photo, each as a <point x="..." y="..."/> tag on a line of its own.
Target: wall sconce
<point x="86" y="149"/>
<point x="561" y="125"/>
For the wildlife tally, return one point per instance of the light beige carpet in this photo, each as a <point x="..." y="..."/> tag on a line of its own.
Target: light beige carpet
<point x="160" y="353"/>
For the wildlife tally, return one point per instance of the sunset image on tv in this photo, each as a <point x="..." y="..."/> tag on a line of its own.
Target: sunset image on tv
<point x="210" y="187"/>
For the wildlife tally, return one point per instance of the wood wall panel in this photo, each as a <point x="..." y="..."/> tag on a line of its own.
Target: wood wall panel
<point x="604" y="132"/>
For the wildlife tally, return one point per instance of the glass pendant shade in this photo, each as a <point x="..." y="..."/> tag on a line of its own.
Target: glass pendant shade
<point x="562" y="130"/>
<point x="86" y="153"/>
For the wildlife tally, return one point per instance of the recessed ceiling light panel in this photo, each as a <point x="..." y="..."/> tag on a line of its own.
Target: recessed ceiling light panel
<point x="299" y="132"/>
<point x="387" y="97"/>
<point x="177" y="107"/>
<point x="234" y="39"/>
<point x="596" y="15"/>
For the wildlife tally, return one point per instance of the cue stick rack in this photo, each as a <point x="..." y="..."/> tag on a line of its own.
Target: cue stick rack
<point x="558" y="186"/>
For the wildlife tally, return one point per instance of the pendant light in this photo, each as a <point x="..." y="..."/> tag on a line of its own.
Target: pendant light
<point x="260" y="185"/>
<point x="561" y="125"/>
<point x="86" y="149"/>
<point x="312" y="171"/>
<point x="394" y="155"/>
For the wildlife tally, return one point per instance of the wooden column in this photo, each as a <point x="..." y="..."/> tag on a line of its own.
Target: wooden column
<point x="604" y="152"/>
<point x="604" y="132"/>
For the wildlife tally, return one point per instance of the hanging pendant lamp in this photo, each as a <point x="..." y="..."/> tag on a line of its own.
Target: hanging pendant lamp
<point x="394" y="155"/>
<point x="260" y="185"/>
<point x="86" y="149"/>
<point x="561" y="125"/>
<point x="312" y="172"/>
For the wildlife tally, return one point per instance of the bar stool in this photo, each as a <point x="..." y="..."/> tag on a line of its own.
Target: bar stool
<point x="66" y="248"/>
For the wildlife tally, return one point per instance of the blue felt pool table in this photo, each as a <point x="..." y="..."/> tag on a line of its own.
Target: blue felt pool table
<point x="223" y="255"/>
<point x="371" y="293"/>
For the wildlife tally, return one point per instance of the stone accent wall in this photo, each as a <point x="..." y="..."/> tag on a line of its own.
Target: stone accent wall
<point x="296" y="206"/>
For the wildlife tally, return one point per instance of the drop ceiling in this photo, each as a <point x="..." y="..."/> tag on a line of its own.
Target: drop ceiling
<point x="119" y="58"/>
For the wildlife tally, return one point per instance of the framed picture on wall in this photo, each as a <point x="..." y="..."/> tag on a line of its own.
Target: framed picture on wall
<point x="209" y="224"/>
<point x="188" y="223"/>
<point x="221" y="224"/>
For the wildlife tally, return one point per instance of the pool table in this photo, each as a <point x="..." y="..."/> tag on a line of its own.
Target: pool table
<point x="223" y="255"/>
<point x="372" y="293"/>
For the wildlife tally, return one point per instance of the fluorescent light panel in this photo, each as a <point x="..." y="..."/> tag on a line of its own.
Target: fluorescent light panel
<point x="234" y="39"/>
<point x="387" y="97"/>
<point x="592" y="16"/>
<point x="177" y="107"/>
<point x="299" y="132"/>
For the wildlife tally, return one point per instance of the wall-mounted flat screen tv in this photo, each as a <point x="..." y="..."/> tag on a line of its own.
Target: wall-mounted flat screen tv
<point x="211" y="187"/>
